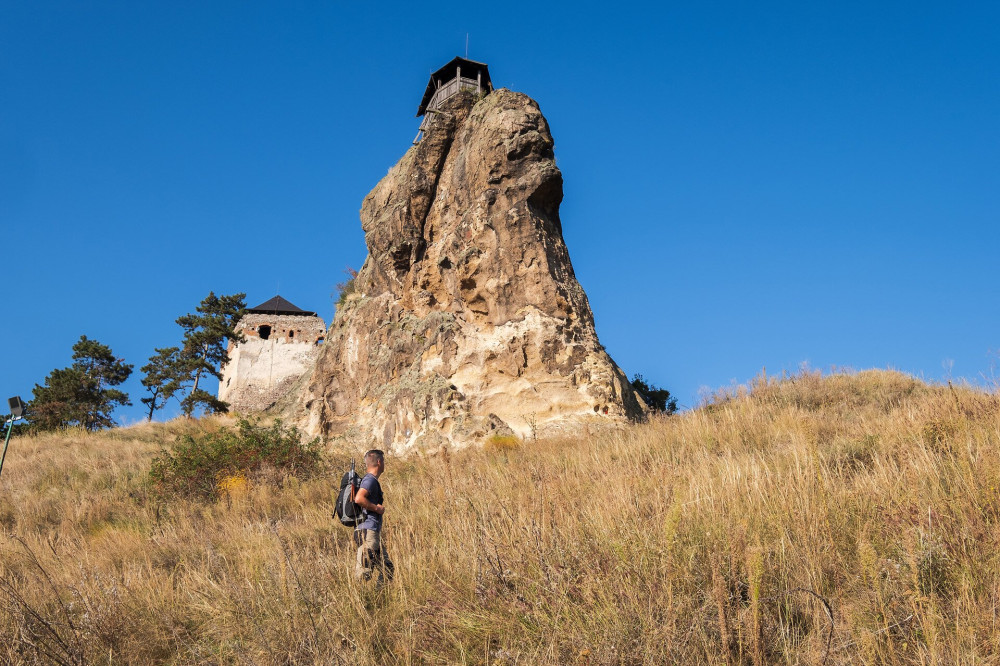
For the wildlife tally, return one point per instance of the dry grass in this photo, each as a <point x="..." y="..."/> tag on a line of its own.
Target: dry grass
<point x="712" y="537"/>
<point x="502" y="444"/>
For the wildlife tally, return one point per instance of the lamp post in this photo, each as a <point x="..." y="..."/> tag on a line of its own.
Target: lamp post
<point x="16" y="413"/>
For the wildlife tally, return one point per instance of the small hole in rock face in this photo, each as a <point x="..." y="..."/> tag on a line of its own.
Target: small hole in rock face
<point x="453" y="387"/>
<point x="468" y="283"/>
<point x="264" y="331"/>
<point x="319" y="341"/>
<point x="445" y="263"/>
<point x="597" y="408"/>
<point x="291" y="334"/>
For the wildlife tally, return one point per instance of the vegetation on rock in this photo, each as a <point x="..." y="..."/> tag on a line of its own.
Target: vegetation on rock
<point x="347" y="287"/>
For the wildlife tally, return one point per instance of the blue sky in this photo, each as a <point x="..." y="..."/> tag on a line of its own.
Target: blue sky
<point x="748" y="185"/>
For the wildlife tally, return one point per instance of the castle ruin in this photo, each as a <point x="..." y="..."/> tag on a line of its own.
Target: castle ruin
<point x="281" y="344"/>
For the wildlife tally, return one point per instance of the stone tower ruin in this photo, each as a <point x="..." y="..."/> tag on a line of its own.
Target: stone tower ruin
<point x="281" y="344"/>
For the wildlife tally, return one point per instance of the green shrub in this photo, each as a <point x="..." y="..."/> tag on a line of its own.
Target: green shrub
<point x="198" y="464"/>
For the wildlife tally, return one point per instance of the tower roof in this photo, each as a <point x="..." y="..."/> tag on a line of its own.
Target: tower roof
<point x="279" y="306"/>
<point x="471" y="70"/>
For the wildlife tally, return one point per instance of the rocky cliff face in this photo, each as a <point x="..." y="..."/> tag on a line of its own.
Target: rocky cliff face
<point x="466" y="319"/>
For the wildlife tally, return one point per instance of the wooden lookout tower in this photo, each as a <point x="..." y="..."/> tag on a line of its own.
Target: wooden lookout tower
<point x="458" y="75"/>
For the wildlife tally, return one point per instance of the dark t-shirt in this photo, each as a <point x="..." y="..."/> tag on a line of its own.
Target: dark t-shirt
<point x="372" y="521"/>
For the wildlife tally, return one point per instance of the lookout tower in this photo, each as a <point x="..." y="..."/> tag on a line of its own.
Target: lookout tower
<point x="281" y="344"/>
<point x="458" y="75"/>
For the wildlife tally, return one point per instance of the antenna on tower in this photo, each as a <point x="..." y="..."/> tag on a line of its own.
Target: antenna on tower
<point x="466" y="46"/>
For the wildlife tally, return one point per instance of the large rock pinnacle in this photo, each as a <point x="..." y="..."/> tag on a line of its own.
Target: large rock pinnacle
<point x="466" y="319"/>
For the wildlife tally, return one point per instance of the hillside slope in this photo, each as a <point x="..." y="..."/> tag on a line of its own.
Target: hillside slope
<point x="708" y="537"/>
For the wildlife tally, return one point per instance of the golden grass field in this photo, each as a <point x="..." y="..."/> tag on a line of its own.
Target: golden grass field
<point x="712" y="537"/>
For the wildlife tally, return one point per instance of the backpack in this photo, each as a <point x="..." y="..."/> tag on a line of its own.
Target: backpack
<point x="349" y="513"/>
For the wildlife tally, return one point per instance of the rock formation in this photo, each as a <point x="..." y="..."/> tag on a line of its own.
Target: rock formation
<point x="466" y="319"/>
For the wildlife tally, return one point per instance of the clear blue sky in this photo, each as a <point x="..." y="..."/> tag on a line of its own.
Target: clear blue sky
<point x="747" y="184"/>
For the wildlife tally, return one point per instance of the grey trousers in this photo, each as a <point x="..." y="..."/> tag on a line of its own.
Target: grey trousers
<point x="372" y="556"/>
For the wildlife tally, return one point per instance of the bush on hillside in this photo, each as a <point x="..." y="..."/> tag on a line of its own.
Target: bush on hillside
<point x="656" y="398"/>
<point x="199" y="465"/>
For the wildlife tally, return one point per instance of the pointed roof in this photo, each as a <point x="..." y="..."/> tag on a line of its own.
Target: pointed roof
<point x="279" y="306"/>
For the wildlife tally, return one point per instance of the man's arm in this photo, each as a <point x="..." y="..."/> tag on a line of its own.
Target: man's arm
<point x="361" y="499"/>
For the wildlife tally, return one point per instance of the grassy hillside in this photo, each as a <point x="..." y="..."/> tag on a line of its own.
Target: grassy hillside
<point x="716" y="536"/>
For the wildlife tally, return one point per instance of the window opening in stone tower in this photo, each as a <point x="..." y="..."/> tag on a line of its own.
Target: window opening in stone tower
<point x="291" y="334"/>
<point x="264" y="331"/>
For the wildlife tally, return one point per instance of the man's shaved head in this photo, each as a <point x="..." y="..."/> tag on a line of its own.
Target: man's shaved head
<point x="374" y="457"/>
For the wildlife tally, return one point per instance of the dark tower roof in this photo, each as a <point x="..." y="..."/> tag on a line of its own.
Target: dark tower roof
<point x="471" y="70"/>
<point x="279" y="306"/>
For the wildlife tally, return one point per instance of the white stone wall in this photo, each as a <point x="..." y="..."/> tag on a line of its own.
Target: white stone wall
<point x="260" y="371"/>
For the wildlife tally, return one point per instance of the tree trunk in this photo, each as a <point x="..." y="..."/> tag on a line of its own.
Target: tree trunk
<point x="197" y="378"/>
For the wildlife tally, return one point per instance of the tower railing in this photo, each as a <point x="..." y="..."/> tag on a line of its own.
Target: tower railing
<point x="449" y="89"/>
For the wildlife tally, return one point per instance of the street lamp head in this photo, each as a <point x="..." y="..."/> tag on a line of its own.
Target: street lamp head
<point x="16" y="406"/>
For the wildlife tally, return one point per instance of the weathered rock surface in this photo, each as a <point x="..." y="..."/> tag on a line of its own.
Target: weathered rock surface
<point x="466" y="319"/>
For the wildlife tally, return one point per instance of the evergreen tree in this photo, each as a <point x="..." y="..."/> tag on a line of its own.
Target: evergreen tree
<point x="658" y="399"/>
<point x="61" y="401"/>
<point x="164" y="376"/>
<point x="206" y="335"/>
<point x="81" y="394"/>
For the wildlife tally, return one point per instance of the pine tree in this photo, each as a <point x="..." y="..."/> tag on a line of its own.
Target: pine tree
<point x="81" y="394"/>
<point x="60" y="402"/>
<point x="206" y="335"/>
<point x="164" y="376"/>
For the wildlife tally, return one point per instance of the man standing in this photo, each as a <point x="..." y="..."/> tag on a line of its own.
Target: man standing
<point x="368" y="534"/>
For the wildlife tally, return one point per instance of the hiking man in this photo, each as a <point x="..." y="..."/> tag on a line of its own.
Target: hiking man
<point x="368" y="534"/>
